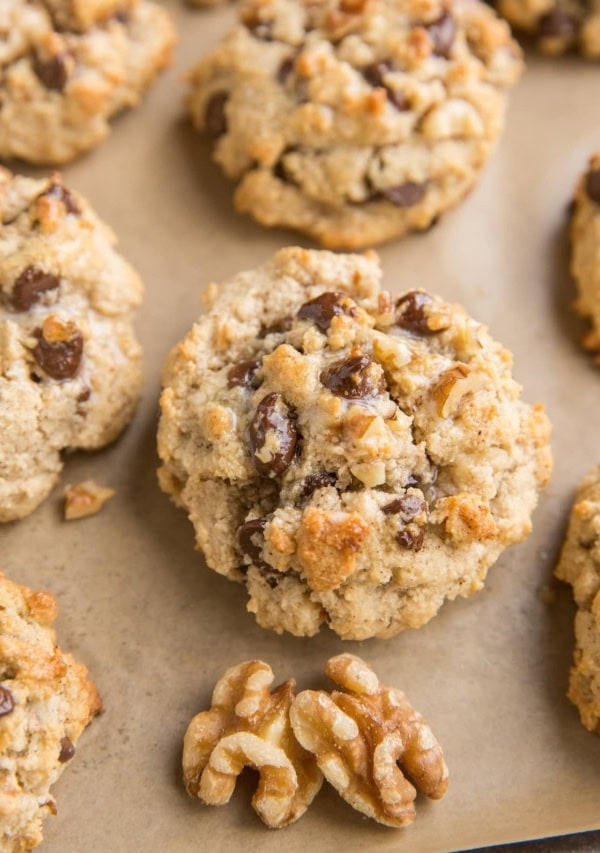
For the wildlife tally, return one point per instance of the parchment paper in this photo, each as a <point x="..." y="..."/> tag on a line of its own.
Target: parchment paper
<point x="156" y="628"/>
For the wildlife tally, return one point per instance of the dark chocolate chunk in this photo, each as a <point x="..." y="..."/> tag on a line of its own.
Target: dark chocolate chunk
<point x="215" y="118"/>
<point x="242" y="374"/>
<point x="67" y="750"/>
<point x="248" y="533"/>
<point x="442" y="34"/>
<point x="53" y="72"/>
<point x="318" y="481"/>
<point x="408" y="507"/>
<point x="7" y="701"/>
<point x="411" y="313"/>
<point x="352" y="378"/>
<point x="30" y="285"/>
<point x="322" y="309"/>
<point x="60" y="359"/>
<point x="279" y="327"/>
<point x="405" y="195"/>
<point x="558" y="24"/>
<point x="592" y="185"/>
<point x="374" y="75"/>
<point x="411" y="538"/>
<point x="273" y="429"/>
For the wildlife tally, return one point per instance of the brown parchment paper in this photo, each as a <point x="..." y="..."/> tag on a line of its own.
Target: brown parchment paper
<point x="156" y="628"/>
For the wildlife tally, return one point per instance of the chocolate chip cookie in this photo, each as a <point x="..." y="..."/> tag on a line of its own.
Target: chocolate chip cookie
<point x="70" y="365"/>
<point x="557" y="25"/>
<point x="355" y="458"/>
<point x="355" y="122"/>
<point x="46" y="701"/>
<point x="579" y="566"/>
<point x="585" y="257"/>
<point x="68" y="66"/>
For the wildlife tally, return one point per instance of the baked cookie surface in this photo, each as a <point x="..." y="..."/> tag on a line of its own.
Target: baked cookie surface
<point x="355" y="122"/>
<point x="70" y="364"/>
<point x="46" y="701"/>
<point x="354" y="458"/>
<point x="557" y="25"/>
<point x="68" y="66"/>
<point x="579" y="566"/>
<point x="585" y="251"/>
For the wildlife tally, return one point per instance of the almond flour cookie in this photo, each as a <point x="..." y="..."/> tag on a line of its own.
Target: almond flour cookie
<point x="355" y="122"/>
<point x="579" y="566"/>
<point x="557" y="25"/>
<point x="46" y="701"/>
<point x="354" y="458"/>
<point x="70" y="365"/>
<point x="68" y="66"/>
<point x="585" y="258"/>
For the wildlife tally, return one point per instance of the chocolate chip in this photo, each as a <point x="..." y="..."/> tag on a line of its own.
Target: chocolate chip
<point x="242" y="374"/>
<point x="60" y="359"/>
<point x="411" y="537"/>
<point x="411" y="313"/>
<point x="262" y="30"/>
<point x="279" y="327"/>
<point x="30" y="285"/>
<point x="272" y="436"/>
<point x="441" y="33"/>
<point x="53" y="72"/>
<point x="84" y="395"/>
<point x="317" y="481"/>
<point x="285" y="69"/>
<point x="592" y="185"/>
<point x="409" y="507"/>
<point x="60" y="193"/>
<point x="558" y="24"/>
<point x="405" y="195"/>
<point x="215" y="118"/>
<point x="322" y="309"/>
<point x="374" y="75"/>
<point x="352" y="378"/>
<point x="7" y="701"/>
<point x="67" y="750"/>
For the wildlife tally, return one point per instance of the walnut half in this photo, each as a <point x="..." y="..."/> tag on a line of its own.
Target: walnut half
<point x="369" y="742"/>
<point x="248" y="725"/>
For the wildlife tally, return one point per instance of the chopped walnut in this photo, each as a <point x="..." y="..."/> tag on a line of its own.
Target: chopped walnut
<point x="453" y="385"/>
<point x="248" y="725"/>
<point x="85" y="499"/>
<point x="369" y="742"/>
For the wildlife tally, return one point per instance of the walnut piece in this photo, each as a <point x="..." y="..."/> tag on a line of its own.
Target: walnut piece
<point x="369" y="742"/>
<point x="248" y="725"/>
<point x="85" y="499"/>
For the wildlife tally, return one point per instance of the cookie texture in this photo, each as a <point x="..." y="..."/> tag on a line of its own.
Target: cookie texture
<point x="355" y="122"/>
<point x="557" y="26"/>
<point x="579" y="566"/>
<point x="354" y="458"/>
<point x="70" y="364"/>
<point x="585" y="253"/>
<point x="46" y="701"/>
<point x="68" y="66"/>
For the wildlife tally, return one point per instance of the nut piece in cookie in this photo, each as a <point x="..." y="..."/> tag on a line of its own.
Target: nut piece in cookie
<point x="370" y="743"/>
<point x="579" y="566"/>
<point x="248" y="725"/>
<point x="68" y="66"/>
<point x="585" y="251"/>
<point x="354" y="457"/>
<point x="46" y="701"/>
<point x="557" y="26"/>
<point x="84" y="499"/>
<point x="70" y="364"/>
<point x="355" y="122"/>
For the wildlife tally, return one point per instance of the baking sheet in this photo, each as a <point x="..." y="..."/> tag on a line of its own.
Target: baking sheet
<point x="157" y="629"/>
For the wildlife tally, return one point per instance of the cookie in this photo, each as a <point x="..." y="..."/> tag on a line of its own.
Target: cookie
<point x="557" y="25"/>
<point x="66" y="69"/>
<point x="46" y="701"/>
<point x="355" y="122"/>
<point x="579" y="566"/>
<point x="70" y="364"/>
<point x="585" y="255"/>
<point x="354" y="458"/>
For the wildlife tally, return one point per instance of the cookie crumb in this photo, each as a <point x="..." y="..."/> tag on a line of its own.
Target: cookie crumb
<point x="85" y="499"/>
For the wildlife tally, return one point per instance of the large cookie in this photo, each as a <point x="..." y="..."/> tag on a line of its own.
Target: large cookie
<point x="585" y="255"/>
<point x="557" y="25"/>
<point x="46" y="701"/>
<point x="70" y="365"/>
<point x="579" y="566"/>
<point x="355" y="121"/>
<point x="66" y="69"/>
<point x="354" y="458"/>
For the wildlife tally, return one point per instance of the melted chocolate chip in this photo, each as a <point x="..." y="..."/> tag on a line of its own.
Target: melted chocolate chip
<point x="248" y="532"/>
<point x="30" y="285"/>
<point x="60" y="193"/>
<point x="317" y="481"/>
<point x="53" y="72"/>
<point x="7" y="701"/>
<point x="352" y="378"/>
<point x="411" y="538"/>
<point x="272" y="433"/>
<point x="215" y="118"/>
<point x="67" y="750"/>
<point x="442" y="34"/>
<point x="405" y="195"/>
<point x="322" y="309"/>
<point x="374" y="75"/>
<point x="592" y="185"/>
<point x="279" y="327"/>
<point x="411" y="312"/>
<point x="242" y="374"/>
<point x="285" y="69"/>
<point x="558" y="24"/>
<point x="59" y="359"/>
<point x="409" y="507"/>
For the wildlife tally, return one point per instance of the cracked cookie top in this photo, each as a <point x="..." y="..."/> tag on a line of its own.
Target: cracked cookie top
<point x="353" y="457"/>
<point x="355" y="120"/>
